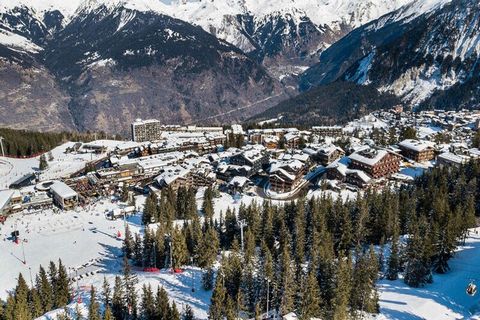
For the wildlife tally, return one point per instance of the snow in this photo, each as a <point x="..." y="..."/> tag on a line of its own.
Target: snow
<point x="17" y="42"/>
<point x="445" y="298"/>
<point x="88" y="245"/>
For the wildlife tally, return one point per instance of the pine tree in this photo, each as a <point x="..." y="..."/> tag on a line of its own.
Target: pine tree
<point x="209" y="246"/>
<point x="342" y="290"/>
<point x="94" y="307"/>
<point x="288" y="286"/>
<point x="21" y="310"/>
<point x="43" y="163"/>
<point x="218" y="298"/>
<point x="188" y="315"/>
<point x="44" y="290"/>
<point x="62" y="288"/>
<point x="130" y="297"/>
<point x="108" y="315"/>
<point x="208" y="207"/>
<point x="162" y="307"/>
<point x="138" y="250"/>
<point x="148" y="303"/>
<point x="311" y="299"/>
<point x="36" y="308"/>
<point x="128" y="243"/>
<point x="179" y="252"/>
<point x="173" y="314"/>
<point x="53" y="276"/>
<point x="107" y="292"/>
<point x="9" y="307"/>
<point x="394" y="258"/>
<point x="150" y="209"/>
<point x="118" y="305"/>
<point x="417" y="270"/>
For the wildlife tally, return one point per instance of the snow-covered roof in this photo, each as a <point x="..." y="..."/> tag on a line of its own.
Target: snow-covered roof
<point x="416" y="145"/>
<point x="453" y="158"/>
<point x="62" y="190"/>
<point x="238" y="181"/>
<point x="369" y="157"/>
<point x="5" y="196"/>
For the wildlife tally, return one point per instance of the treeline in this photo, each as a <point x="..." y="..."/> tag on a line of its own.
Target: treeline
<point x="23" y="143"/>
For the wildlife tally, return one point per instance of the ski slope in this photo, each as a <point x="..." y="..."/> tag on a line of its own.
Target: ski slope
<point x="445" y="298"/>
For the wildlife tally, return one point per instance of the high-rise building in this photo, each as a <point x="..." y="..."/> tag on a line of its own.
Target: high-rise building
<point x="146" y="130"/>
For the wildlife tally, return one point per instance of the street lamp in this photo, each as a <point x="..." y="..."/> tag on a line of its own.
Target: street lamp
<point x="242" y="224"/>
<point x="268" y="297"/>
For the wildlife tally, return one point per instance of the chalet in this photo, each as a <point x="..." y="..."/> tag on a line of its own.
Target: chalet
<point x="377" y="163"/>
<point x="417" y="150"/>
<point x="324" y="154"/>
<point x="254" y="158"/>
<point x="338" y="170"/>
<point x="286" y="175"/>
<point x="238" y="184"/>
<point x="451" y="159"/>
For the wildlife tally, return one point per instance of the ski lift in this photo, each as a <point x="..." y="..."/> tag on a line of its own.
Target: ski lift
<point x="471" y="288"/>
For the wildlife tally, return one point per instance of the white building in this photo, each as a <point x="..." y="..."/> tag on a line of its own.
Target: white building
<point x="146" y="130"/>
<point x="64" y="196"/>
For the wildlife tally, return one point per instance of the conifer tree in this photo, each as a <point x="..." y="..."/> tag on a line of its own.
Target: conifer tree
<point x="130" y="297"/>
<point x="8" y="312"/>
<point x="342" y="289"/>
<point x="107" y="292"/>
<point x="162" y="307"/>
<point x="394" y="258"/>
<point x="128" y="243"/>
<point x="108" y="315"/>
<point x="62" y="288"/>
<point x="179" y="252"/>
<point x="218" y="298"/>
<point x="188" y="315"/>
<point x="173" y="314"/>
<point x="94" y="307"/>
<point x="311" y="299"/>
<point x="148" y="303"/>
<point x="21" y="310"/>
<point x="36" y="308"/>
<point x="44" y="289"/>
<point x="118" y="305"/>
<point x="208" y="207"/>
<point x="43" y="165"/>
<point x="150" y="209"/>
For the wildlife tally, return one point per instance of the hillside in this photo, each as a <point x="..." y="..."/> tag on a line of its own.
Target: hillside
<point x="334" y="103"/>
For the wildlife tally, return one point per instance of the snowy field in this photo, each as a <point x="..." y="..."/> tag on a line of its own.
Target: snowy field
<point x="63" y="165"/>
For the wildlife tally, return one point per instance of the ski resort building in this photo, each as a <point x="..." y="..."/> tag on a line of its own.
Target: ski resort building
<point x="146" y="130"/>
<point x="417" y="150"/>
<point x="63" y="196"/>
<point x="377" y="163"/>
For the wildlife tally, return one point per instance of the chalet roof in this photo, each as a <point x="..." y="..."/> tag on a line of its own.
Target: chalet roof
<point x="416" y="145"/>
<point x="369" y="157"/>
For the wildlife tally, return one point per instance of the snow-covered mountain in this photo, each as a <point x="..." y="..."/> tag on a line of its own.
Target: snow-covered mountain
<point x="105" y="64"/>
<point x="284" y="29"/>
<point x="427" y="53"/>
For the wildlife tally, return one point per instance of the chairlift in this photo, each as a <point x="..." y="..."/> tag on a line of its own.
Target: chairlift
<point x="471" y="288"/>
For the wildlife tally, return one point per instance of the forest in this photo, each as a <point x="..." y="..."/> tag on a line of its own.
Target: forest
<point x="23" y="143"/>
<point x="319" y="257"/>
